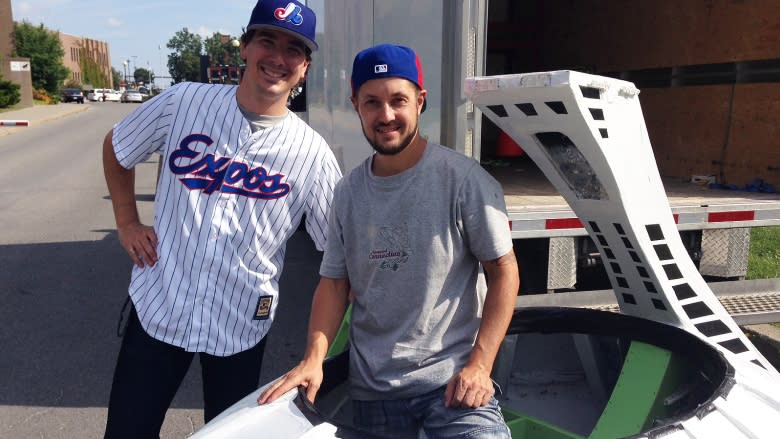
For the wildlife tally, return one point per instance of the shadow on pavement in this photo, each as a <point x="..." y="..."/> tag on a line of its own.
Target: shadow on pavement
<point x="60" y="308"/>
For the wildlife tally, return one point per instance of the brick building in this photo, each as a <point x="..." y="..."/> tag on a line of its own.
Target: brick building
<point x="75" y="48"/>
<point x="78" y="47"/>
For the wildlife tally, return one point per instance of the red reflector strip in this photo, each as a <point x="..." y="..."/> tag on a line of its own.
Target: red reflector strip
<point x="676" y="218"/>
<point x="14" y="123"/>
<point x="721" y="217"/>
<point x="562" y="223"/>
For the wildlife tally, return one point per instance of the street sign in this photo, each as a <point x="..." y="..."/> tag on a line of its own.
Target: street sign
<point x="20" y="66"/>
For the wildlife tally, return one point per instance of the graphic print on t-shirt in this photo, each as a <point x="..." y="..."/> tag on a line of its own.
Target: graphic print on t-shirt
<point x="391" y="248"/>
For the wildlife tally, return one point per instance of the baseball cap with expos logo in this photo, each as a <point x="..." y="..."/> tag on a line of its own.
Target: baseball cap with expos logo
<point x="288" y="16"/>
<point x="386" y="61"/>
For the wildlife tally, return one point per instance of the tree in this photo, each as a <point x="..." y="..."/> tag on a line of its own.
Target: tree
<point x="214" y="47"/>
<point x="222" y="49"/>
<point x="142" y="75"/>
<point x="184" y="62"/>
<point x="45" y="51"/>
<point x="116" y="75"/>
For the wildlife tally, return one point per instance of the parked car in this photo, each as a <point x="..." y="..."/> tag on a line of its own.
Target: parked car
<point x="113" y="95"/>
<point x="104" y="95"/>
<point x="72" y="95"/>
<point x="132" y="96"/>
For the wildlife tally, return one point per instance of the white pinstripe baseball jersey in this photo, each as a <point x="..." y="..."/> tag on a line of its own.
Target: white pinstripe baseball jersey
<point x="227" y="201"/>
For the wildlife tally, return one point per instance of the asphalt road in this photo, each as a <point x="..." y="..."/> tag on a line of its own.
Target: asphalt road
<point x="64" y="277"/>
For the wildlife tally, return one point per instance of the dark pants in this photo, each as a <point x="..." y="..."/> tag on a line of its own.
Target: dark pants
<point x="148" y="374"/>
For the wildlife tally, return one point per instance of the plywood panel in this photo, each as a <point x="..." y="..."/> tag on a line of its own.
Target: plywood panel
<point x="687" y="128"/>
<point x="695" y="129"/>
<point x="754" y="141"/>
<point x="619" y="35"/>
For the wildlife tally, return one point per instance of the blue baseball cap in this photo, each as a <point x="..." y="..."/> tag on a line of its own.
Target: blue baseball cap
<point x="386" y="61"/>
<point x="288" y="16"/>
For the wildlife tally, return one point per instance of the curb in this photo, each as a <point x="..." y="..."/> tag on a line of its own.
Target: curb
<point x="11" y="129"/>
<point x="79" y="109"/>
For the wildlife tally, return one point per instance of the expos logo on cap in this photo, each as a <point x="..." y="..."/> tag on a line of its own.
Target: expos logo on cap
<point x="291" y="13"/>
<point x="288" y="16"/>
<point x="386" y="61"/>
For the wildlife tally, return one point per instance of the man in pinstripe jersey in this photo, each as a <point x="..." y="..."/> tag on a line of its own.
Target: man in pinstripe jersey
<point x="240" y="173"/>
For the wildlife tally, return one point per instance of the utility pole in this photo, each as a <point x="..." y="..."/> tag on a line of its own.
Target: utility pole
<point x="159" y="51"/>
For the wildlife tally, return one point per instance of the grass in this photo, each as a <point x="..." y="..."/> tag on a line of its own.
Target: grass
<point x="764" y="256"/>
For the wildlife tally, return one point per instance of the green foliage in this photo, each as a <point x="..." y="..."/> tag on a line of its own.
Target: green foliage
<point x="214" y="48"/>
<point x="72" y="83"/>
<point x="764" y="256"/>
<point x="222" y="53"/>
<point x="91" y="72"/>
<point x="9" y="93"/>
<point x="45" y="51"/>
<point x="142" y="75"/>
<point x="117" y="76"/>
<point x="184" y="61"/>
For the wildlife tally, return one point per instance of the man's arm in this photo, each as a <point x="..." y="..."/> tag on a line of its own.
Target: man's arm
<point x="138" y="240"/>
<point x="472" y="386"/>
<point x="327" y="310"/>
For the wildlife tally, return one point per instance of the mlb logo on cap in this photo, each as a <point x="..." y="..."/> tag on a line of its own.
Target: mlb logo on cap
<point x="288" y="16"/>
<point x="386" y="61"/>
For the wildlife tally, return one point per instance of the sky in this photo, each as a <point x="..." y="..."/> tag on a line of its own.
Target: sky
<point x="136" y="30"/>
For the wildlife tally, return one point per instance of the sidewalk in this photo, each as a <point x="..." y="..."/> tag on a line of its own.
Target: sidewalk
<point x="38" y="114"/>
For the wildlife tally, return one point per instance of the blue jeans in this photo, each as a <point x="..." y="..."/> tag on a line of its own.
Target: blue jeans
<point x="403" y="418"/>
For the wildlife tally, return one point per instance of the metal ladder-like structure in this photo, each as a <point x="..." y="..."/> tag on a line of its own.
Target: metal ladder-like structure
<point x="587" y="134"/>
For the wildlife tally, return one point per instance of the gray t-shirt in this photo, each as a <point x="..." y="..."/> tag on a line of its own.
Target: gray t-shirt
<point x="410" y="245"/>
<point x="259" y="122"/>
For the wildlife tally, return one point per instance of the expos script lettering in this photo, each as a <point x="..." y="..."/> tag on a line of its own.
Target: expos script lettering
<point x="210" y="173"/>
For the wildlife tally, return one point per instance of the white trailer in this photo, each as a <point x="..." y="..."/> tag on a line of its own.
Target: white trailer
<point x="553" y="247"/>
<point x="672" y="364"/>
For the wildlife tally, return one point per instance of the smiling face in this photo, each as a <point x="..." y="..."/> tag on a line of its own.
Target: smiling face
<point x="389" y="109"/>
<point x="275" y="63"/>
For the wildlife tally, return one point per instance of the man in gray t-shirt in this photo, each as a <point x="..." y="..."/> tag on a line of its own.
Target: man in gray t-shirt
<point x="409" y="233"/>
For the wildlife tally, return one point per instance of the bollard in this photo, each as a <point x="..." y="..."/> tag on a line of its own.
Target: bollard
<point x="14" y="123"/>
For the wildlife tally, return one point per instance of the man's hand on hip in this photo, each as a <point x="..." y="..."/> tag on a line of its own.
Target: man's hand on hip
<point x="140" y="242"/>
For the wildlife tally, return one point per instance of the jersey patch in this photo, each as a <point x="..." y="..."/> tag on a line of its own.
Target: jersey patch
<point x="263" y="310"/>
